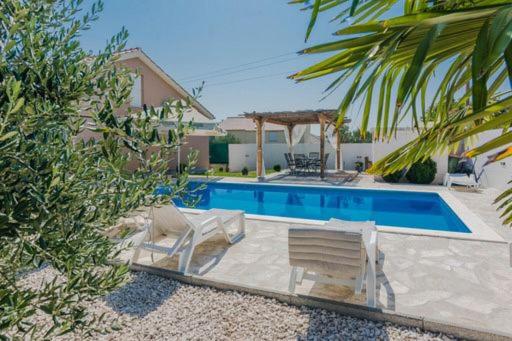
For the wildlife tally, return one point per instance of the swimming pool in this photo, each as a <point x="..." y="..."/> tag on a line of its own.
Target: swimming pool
<point x="404" y="209"/>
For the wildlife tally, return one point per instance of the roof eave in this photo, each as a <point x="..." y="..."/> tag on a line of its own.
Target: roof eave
<point x="138" y="53"/>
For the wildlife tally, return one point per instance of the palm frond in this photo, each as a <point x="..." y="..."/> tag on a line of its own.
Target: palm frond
<point x="468" y="45"/>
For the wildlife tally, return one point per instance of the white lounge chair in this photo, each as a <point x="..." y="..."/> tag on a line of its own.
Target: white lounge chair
<point x="469" y="181"/>
<point x="331" y="255"/>
<point x="188" y="232"/>
<point x="349" y="226"/>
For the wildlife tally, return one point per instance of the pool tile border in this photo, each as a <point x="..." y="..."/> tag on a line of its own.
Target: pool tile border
<point x="354" y="310"/>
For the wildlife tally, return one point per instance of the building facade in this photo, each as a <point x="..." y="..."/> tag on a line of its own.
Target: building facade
<point x="244" y="130"/>
<point x="152" y="87"/>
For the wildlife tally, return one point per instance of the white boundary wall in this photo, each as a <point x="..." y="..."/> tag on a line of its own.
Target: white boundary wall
<point x="381" y="149"/>
<point x="354" y="152"/>
<point x="244" y="155"/>
<point x="496" y="174"/>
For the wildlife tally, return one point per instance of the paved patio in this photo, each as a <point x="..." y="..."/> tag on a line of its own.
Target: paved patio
<point x="451" y="280"/>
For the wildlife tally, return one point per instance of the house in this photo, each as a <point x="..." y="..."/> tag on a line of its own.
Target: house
<point x="244" y="130"/>
<point x="152" y="87"/>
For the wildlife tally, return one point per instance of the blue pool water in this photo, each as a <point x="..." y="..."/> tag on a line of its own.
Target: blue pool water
<point x="389" y="208"/>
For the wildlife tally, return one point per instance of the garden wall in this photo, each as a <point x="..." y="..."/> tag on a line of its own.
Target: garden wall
<point x="403" y="136"/>
<point x="244" y="155"/>
<point x="496" y="174"/>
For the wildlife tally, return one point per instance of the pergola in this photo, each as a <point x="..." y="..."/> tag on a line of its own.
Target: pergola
<point x="290" y="119"/>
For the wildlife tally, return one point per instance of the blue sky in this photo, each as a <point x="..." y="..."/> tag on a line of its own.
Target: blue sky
<point x="192" y="38"/>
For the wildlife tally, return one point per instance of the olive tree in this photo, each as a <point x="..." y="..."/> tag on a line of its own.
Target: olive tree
<point x="58" y="192"/>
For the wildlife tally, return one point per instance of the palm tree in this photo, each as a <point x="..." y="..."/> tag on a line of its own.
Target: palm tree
<point x="468" y="44"/>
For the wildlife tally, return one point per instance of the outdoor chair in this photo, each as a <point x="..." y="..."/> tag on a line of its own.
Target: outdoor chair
<point x="187" y="232"/>
<point x="301" y="162"/>
<point x="350" y="225"/>
<point x="290" y="163"/>
<point x="465" y="175"/>
<point x="315" y="163"/>
<point x="334" y="255"/>
<point x="461" y="179"/>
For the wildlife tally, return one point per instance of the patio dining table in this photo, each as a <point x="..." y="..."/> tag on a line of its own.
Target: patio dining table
<point x="307" y="163"/>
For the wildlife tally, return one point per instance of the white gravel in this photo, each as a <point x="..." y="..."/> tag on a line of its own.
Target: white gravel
<point x="155" y="308"/>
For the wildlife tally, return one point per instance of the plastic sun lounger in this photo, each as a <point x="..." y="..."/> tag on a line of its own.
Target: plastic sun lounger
<point x="336" y="256"/>
<point x="461" y="179"/>
<point x="168" y="220"/>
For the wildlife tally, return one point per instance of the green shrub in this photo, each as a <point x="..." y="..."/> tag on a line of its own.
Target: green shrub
<point x="422" y="172"/>
<point x="245" y="171"/>
<point x="221" y="169"/>
<point x="393" y="177"/>
<point x="277" y="168"/>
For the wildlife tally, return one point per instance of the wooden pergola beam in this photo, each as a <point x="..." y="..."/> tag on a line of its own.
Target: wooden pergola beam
<point x="338" y="150"/>
<point x="259" y="145"/>
<point x="290" y="119"/>
<point x="297" y="117"/>
<point x="322" y="147"/>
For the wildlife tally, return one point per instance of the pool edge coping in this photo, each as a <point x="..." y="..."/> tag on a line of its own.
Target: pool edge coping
<point x="344" y="308"/>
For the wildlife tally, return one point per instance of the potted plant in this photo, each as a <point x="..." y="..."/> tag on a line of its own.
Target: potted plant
<point x="359" y="166"/>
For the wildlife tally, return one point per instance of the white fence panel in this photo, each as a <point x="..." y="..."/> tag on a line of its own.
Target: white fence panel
<point x="381" y="149"/>
<point x="496" y="174"/>
<point x="355" y="152"/>
<point x="244" y="155"/>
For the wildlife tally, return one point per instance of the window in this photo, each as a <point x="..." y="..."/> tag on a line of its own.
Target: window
<point x="136" y="94"/>
<point x="273" y="136"/>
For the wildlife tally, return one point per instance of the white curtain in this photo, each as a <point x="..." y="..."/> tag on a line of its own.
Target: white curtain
<point x="297" y="133"/>
<point x="263" y="173"/>
<point x="331" y="137"/>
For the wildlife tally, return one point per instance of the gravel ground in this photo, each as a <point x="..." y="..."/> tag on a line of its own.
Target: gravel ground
<point x="149" y="307"/>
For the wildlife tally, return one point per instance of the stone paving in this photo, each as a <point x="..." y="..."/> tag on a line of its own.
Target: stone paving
<point x="450" y="280"/>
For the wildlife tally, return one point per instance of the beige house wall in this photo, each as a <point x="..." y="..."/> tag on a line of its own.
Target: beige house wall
<point x="199" y="143"/>
<point x="154" y="92"/>
<point x="154" y="89"/>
